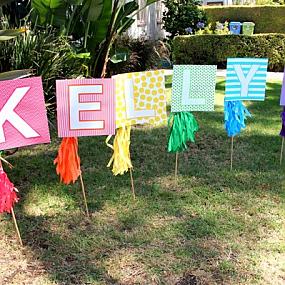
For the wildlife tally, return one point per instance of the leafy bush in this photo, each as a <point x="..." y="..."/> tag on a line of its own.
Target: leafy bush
<point x="96" y="24"/>
<point x="15" y="11"/>
<point x="267" y="19"/>
<point x="138" y="55"/>
<point x="183" y="17"/>
<point x="215" y="49"/>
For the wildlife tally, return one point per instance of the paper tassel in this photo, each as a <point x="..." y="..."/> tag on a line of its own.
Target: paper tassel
<point x="121" y="158"/>
<point x="182" y="126"/>
<point x="68" y="161"/>
<point x="282" y="132"/>
<point x="235" y="116"/>
<point x="8" y="196"/>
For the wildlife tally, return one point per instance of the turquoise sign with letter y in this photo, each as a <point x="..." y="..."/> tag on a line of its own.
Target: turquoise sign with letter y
<point x="246" y="79"/>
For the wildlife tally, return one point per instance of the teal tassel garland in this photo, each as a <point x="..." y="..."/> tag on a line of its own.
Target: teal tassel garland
<point x="182" y="128"/>
<point x="235" y="116"/>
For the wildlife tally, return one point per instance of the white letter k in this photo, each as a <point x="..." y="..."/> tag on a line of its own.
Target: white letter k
<point x="8" y="114"/>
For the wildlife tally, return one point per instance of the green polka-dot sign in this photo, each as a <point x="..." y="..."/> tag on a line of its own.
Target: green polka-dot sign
<point x="193" y="88"/>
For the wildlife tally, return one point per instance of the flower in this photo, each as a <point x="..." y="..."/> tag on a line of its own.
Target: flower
<point x="189" y="30"/>
<point x="219" y="26"/>
<point x="200" y="25"/>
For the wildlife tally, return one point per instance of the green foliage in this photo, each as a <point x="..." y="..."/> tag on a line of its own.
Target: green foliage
<point x="138" y="55"/>
<point x="5" y="2"/>
<point x="9" y="75"/>
<point x="215" y="49"/>
<point x="182" y="17"/>
<point x="267" y="19"/>
<point x="14" y="10"/>
<point x="258" y="2"/>
<point x="50" y="11"/>
<point x="116" y="23"/>
<point x="95" y="22"/>
<point x="6" y="35"/>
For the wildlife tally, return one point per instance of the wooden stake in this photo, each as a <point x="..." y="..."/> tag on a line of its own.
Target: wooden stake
<point x="282" y="148"/>
<point x="84" y="195"/>
<point x="132" y="184"/>
<point x="232" y="152"/>
<point x="176" y="167"/>
<point x="16" y="227"/>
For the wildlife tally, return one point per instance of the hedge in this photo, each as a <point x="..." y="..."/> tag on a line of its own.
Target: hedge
<point x="267" y="19"/>
<point x="215" y="49"/>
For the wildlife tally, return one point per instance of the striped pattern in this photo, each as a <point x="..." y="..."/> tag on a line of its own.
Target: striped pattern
<point x="254" y="88"/>
<point x="106" y="114"/>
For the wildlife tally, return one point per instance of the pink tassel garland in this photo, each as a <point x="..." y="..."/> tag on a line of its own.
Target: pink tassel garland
<point x="8" y="196"/>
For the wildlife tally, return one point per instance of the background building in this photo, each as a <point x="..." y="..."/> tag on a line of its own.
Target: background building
<point x="149" y="25"/>
<point x="149" y="22"/>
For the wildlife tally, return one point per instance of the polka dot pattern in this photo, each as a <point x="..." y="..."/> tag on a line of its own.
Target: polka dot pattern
<point x="149" y="94"/>
<point x="202" y="83"/>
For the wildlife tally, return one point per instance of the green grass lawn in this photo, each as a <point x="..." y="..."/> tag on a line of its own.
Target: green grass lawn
<point x="214" y="227"/>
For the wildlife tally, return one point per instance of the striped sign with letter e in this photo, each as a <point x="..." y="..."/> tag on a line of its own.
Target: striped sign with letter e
<point x="246" y="79"/>
<point x="85" y="107"/>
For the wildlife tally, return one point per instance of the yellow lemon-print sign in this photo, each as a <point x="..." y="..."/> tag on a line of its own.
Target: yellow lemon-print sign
<point x="140" y="98"/>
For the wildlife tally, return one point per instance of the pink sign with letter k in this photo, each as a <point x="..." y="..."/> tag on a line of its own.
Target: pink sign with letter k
<point x="23" y="118"/>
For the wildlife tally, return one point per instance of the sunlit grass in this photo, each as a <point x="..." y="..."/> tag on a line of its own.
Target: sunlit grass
<point x="215" y="226"/>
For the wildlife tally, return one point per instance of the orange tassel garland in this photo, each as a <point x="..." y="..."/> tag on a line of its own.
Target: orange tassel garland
<point x="68" y="161"/>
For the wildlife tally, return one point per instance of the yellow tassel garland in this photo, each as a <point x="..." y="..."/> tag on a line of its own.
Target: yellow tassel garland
<point x="121" y="159"/>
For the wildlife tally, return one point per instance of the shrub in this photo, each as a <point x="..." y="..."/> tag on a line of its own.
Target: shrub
<point x="267" y="19"/>
<point x="183" y="17"/>
<point x="215" y="49"/>
<point x="138" y="55"/>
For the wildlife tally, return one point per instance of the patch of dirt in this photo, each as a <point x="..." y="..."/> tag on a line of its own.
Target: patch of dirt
<point x="18" y="268"/>
<point x="188" y="279"/>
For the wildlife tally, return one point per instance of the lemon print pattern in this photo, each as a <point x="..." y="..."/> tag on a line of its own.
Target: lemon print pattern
<point x="149" y="94"/>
